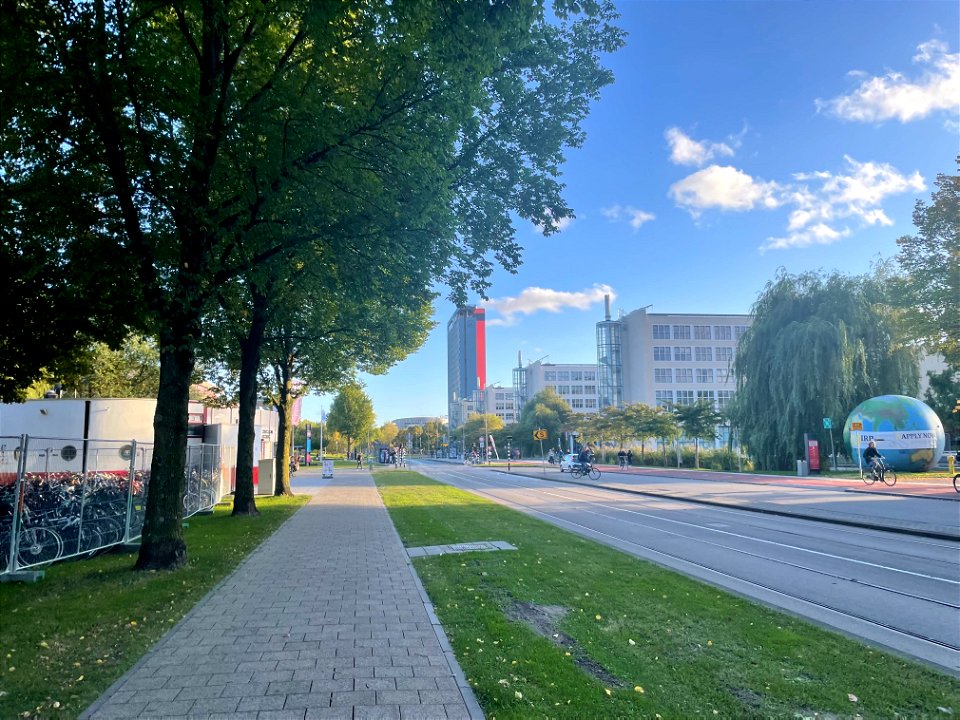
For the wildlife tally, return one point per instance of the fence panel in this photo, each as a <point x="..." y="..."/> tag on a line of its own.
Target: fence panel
<point x="59" y="512"/>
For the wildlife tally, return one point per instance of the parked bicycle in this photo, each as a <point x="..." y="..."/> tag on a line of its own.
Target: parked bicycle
<point x="578" y="470"/>
<point x="879" y="471"/>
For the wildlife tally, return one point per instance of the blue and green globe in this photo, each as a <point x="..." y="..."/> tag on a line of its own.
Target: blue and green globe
<point x="909" y="435"/>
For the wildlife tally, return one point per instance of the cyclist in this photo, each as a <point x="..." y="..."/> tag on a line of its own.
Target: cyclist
<point x="873" y="458"/>
<point x="585" y="458"/>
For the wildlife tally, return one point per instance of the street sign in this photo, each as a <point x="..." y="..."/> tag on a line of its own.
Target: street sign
<point x="540" y="434"/>
<point x="856" y="426"/>
<point x="827" y="424"/>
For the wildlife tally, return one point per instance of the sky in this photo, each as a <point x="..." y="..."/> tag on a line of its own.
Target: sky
<point x="738" y="138"/>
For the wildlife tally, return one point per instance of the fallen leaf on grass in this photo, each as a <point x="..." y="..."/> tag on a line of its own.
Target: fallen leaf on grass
<point x="852" y="698"/>
<point x="631" y="641"/>
<point x="637" y="688"/>
<point x="518" y="695"/>
<point x="607" y="691"/>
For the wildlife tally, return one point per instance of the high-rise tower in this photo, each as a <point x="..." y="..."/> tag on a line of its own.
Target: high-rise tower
<point x="610" y="359"/>
<point x="466" y="359"/>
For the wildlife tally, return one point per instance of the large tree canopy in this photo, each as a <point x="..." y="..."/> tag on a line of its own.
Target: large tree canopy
<point x="818" y="346"/>
<point x="351" y="414"/>
<point x="930" y="291"/>
<point x="195" y="141"/>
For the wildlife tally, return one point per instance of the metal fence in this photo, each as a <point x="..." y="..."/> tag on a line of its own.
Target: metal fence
<point x="64" y="497"/>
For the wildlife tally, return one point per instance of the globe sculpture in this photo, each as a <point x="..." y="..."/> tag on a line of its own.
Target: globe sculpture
<point x="908" y="433"/>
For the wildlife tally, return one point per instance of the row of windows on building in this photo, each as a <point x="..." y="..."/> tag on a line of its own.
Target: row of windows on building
<point x="699" y="332"/>
<point x="574" y="389"/>
<point x="700" y="354"/>
<point x="570" y="375"/>
<point x="689" y="375"/>
<point x="718" y="398"/>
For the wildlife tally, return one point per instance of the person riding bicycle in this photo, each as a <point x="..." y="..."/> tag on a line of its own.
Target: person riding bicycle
<point x="873" y="458"/>
<point x="585" y="458"/>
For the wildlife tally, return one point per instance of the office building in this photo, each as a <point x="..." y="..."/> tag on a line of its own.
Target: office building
<point x="466" y="360"/>
<point x="575" y="383"/>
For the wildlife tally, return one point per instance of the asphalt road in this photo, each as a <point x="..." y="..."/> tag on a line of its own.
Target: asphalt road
<point x="898" y="590"/>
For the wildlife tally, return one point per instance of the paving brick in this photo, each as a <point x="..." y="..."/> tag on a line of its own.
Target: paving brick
<point x="264" y="702"/>
<point x="376" y="712"/>
<point x="423" y="712"/>
<point x="330" y="713"/>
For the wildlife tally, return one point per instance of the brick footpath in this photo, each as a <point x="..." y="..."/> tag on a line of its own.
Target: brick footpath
<point x="326" y="619"/>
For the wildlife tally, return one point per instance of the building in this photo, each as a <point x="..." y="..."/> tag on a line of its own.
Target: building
<point x="466" y="359"/>
<point x="576" y="383"/>
<point x="668" y="359"/>
<point x="502" y="402"/>
<point x="420" y="420"/>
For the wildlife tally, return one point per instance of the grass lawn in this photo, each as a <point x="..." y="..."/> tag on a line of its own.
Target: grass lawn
<point x="565" y="627"/>
<point x="67" y="638"/>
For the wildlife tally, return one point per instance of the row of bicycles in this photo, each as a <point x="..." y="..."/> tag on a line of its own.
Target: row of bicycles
<point x="64" y="514"/>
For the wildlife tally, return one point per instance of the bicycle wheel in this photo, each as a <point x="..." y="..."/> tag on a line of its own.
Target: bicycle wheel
<point x="956" y="482"/>
<point x="869" y="478"/>
<point x="38" y="546"/>
<point x="594" y="474"/>
<point x="575" y="472"/>
<point x="191" y="504"/>
<point x="889" y="477"/>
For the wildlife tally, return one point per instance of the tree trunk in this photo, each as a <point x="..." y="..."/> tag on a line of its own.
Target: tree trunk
<point x="244" y="501"/>
<point x="162" y="546"/>
<point x="285" y="408"/>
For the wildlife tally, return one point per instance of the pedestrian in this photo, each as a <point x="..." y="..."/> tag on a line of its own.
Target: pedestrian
<point x="359" y="461"/>
<point x="630" y="458"/>
<point x="622" y="457"/>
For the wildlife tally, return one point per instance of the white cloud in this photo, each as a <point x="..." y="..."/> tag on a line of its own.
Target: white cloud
<point x="894" y="95"/>
<point x="632" y="215"/>
<point x="724" y="187"/>
<point x="684" y="150"/>
<point x="536" y="299"/>
<point x="561" y="224"/>
<point x="858" y="194"/>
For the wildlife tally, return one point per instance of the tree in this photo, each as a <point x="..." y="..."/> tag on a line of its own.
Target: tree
<point x="479" y="425"/>
<point x="548" y="411"/>
<point x="698" y="421"/>
<point x="387" y="434"/>
<point x="818" y="346"/>
<point x="351" y="414"/>
<point x="943" y="397"/>
<point x="929" y="291"/>
<point x="202" y="140"/>
<point x="647" y="422"/>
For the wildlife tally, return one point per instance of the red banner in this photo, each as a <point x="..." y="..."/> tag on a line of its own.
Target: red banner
<point x="813" y="449"/>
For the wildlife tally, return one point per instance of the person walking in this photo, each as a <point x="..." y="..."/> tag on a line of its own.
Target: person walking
<point x="359" y="461"/>
<point x="622" y="457"/>
<point x="630" y="458"/>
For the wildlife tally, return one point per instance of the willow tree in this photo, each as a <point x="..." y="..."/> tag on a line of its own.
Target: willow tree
<point x="210" y="137"/>
<point x="819" y="345"/>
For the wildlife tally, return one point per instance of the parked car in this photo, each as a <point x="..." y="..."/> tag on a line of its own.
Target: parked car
<point x="568" y="461"/>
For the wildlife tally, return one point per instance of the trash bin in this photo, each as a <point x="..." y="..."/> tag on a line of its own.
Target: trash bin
<point x="802" y="468"/>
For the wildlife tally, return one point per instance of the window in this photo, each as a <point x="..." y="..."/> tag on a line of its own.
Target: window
<point x="590" y="375"/>
<point x="661" y="332"/>
<point x="661" y="353"/>
<point x="705" y="375"/>
<point x="722" y="332"/>
<point x="576" y="390"/>
<point x="684" y="375"/>
<point x="706" y="396"/>
<point x="563" y="375"/>
<point x="724" y="375"/>
<point x="701" y="332"/>
<point x="683" y="353"/>
<point x="550" y="375"/>
<point x="590" y="389"/>
<point x="684" y="397"/>
<point x="704" y="354"/>
<point x="723" y="398"/>
<point x="563" y="389"/>
<point x="724" y="354"/>
<point x="663" y="375"/>
<point x="590" y="403"/>
<point x="577" y="403"/>
<point x="576" y="375"/>
<point x="664" y="398"/>
<point x="681" y="332"/>
<point x="498" y="396"/>
<point x="738" y="330"/>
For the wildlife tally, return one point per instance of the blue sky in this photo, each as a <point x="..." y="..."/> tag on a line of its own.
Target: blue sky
<point x="738" y="138"/>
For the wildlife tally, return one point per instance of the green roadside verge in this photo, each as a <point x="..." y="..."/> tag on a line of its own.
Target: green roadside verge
<point x="566" y="627"/>
<point x="66" y="639"/>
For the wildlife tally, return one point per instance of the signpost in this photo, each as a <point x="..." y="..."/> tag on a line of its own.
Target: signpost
<point x="541" y="435"/>
<point x="857" y="427"/>
<point x="828" y="425"/>
<point x="509" y="451"/>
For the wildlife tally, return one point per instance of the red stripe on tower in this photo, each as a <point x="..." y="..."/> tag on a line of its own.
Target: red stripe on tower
<point x="480" y="316"/>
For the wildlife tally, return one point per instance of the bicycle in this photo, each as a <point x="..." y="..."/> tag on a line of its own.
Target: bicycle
<point x="880" y="472"/>
<point x="580" y="470"/>
<point x="956" y="482"/>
